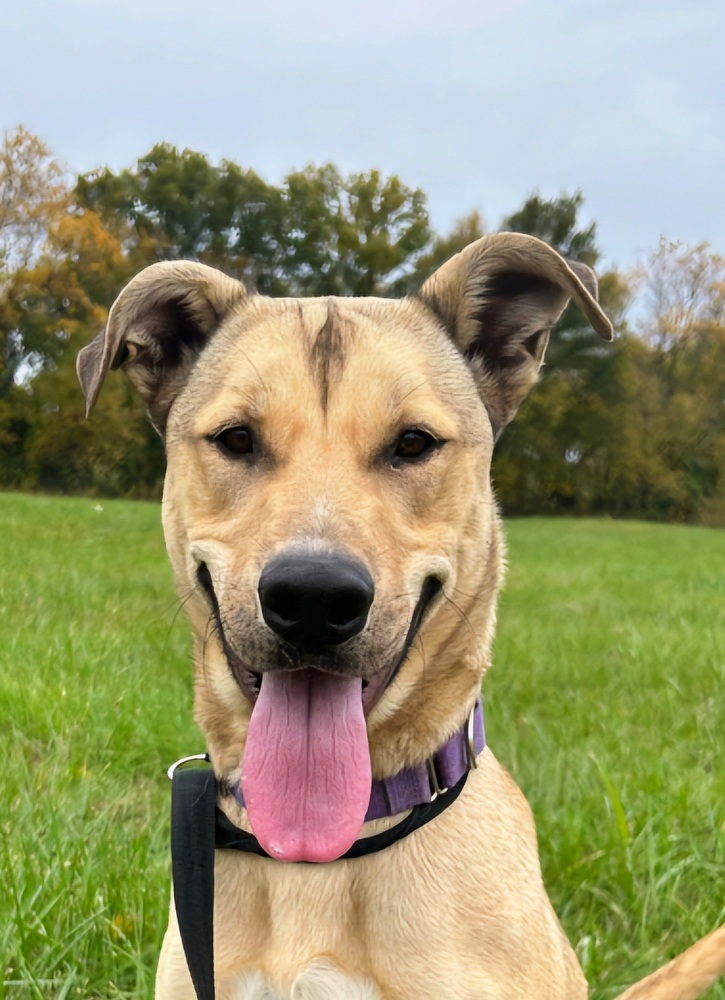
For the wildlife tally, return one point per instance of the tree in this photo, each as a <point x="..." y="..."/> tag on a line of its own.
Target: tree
<point x="33" y="198"/>
<point x="177" y="204"/>
<point x="684" y="327"/>
<point x="556" y="221"/>
<point x="350" y="235"/>
<point x="685" y="295"/>
<point x="33" y="194"/>
<point x="318" y="234"/>
<point x="67" y="290"/>
<point x="441" y="248"/>
<point x="49" y="311"/>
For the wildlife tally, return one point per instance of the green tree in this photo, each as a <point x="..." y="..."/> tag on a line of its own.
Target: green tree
<point x="440" y="249"/>
<point x="557" y="222"/>
<point x="350" y="235"/>
<point x="319" y="233"/>
<point x="177" y="204"/>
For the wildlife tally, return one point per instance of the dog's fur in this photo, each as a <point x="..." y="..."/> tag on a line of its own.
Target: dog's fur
<point x="458" y="909"/>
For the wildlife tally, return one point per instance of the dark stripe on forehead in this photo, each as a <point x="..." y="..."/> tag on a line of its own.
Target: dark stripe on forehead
<point x="327" y="356"/>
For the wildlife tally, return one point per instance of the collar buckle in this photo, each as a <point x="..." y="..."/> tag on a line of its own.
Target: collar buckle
<point x="433" y="778"/>
<point x="470" y="739"/>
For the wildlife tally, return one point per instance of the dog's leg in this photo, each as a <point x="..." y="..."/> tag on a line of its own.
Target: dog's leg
<point x="173" y="981"/>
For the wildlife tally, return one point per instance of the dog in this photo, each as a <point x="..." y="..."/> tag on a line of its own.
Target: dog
<point x="329" y="514"/>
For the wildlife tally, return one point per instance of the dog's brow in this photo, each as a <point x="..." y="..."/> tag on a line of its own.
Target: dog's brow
<point x="327" y="356"/>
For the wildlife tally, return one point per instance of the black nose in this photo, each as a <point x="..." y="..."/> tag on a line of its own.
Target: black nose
<point x="315" y="601"/>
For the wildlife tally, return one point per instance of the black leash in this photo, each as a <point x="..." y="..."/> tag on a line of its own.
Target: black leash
<point x="193" y="816"/>
<point x="199" y="827"/>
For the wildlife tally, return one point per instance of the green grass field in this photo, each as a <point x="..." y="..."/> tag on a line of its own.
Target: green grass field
<point x="607" y="702"/>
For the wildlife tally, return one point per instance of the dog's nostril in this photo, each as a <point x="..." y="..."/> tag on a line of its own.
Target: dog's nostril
<point x="345" y="607"/>
<point x="284" y="601"/>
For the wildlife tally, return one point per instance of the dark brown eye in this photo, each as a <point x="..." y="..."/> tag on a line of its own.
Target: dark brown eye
<point x="236" y="441"/>
<point x="413" y="445"/>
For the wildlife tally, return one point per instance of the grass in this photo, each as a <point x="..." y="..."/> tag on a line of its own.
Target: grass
<point x="606" y="703"/>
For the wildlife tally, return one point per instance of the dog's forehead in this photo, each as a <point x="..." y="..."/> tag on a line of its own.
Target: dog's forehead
<point x="304" y="351"/>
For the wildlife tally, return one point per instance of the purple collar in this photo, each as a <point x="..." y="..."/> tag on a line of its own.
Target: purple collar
<point x="424" y="782"/>
<point x="414" y="786"/>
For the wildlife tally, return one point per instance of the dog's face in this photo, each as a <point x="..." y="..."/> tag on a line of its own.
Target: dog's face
<point x="332" y="445"/>
<point x="327" y="507"/>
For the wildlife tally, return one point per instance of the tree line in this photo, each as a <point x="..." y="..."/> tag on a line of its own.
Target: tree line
<point x="633" y="429"/>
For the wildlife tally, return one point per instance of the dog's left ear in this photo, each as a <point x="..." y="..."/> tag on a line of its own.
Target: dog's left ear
<point x="498" y="300"/>
<point x="156" y="329"/>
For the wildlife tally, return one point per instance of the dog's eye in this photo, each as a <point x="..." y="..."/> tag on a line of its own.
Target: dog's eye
<point x="236" y="441"/>
<point x="414" y="444"/>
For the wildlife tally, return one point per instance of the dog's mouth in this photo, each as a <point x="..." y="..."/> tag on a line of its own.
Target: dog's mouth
<point x="306" y="775"/>
<point x="251" y="682"/>
<point x="373" y="688"/>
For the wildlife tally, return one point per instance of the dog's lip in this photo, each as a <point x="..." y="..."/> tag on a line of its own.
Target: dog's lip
<point x="250" y="682"/>
<point x="432" y="586"/>
<point x="373" y="687"/>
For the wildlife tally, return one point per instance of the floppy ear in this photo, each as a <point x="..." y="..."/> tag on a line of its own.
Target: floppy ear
<point x="498" y="299"/>
<point x="156" y="327"/>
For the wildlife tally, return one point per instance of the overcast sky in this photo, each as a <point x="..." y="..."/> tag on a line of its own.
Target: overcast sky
<point x="479" y="102"/>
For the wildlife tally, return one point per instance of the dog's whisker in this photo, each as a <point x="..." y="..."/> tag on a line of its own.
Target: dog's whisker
<point x="470" y="597"/>
<point x="180" y="607"/>
<point x="460" y="612"/>
<point x="178" y="603"/>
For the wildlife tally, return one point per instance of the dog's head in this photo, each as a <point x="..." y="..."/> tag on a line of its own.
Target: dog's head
<point x="327" y="508"/>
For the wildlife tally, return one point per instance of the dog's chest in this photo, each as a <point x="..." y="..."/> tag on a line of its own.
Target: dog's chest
<point x="321" y="981"/>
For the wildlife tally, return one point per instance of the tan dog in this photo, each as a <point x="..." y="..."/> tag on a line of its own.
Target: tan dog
<point x="349" y="441"/>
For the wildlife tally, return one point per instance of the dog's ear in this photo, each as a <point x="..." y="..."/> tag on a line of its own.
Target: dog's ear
<point x="156" y="328"/>
<point x="498" y="300"/>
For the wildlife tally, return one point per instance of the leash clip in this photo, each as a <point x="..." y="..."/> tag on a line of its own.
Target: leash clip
<point x="185" y="760"/>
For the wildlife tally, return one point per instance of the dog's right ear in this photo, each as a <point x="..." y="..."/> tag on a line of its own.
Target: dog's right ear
<point x="156" y="328"/>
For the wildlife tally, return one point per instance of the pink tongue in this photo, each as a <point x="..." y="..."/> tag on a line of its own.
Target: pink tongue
<point x="306" y="769"/>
